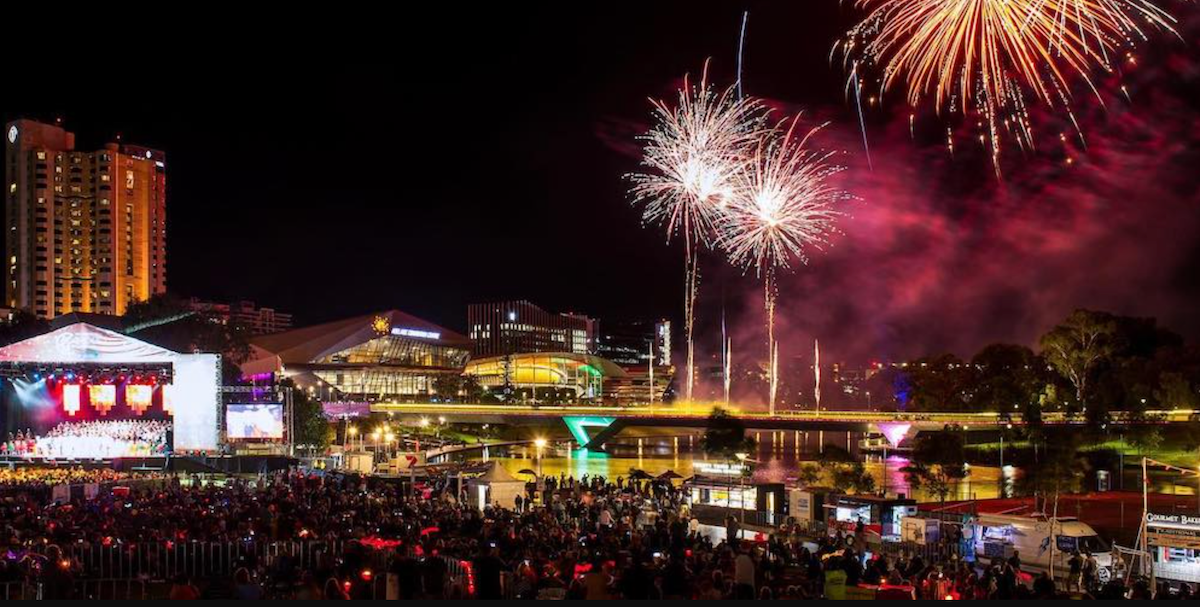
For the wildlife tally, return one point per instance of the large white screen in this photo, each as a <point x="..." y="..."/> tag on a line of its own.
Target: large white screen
<point x="195" y="398"/>
<point x="257" y="421"/>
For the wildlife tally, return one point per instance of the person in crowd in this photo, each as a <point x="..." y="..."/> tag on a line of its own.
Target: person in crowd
<point x="182" y="589"/>
<point x="379" y="539"/>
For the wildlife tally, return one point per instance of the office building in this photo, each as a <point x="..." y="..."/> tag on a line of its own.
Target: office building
<point x="629" y="343"/>
<point x="519" y="327"/>
<point x="86" y="229"/>
<point x="258" y="320"/>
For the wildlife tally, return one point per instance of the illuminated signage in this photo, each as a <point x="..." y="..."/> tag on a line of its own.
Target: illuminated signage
<point x="419" y="334"/>
<point x="719" y="469"/>
<point x="381" y="325"/>
<point x="12" y="134"/>
<point x="1181" y="520"/>
<point x="1173" y="531"/>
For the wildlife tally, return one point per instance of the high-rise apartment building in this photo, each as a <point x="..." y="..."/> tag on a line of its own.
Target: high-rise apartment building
<point x="86" y="231"/>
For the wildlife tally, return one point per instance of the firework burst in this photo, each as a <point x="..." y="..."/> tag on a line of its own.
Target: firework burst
<point x="785" y="205"/>
<point x="992" y="56"/>
<point x="692" y="156"/>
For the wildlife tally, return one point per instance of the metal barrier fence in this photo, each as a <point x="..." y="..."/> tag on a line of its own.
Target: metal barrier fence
<point x="17" y="591"/>
<point x="934" y="552"/>
<point x="198" y="560"/>
<point x="123" y="572"/>
<point x="106" y="590"/>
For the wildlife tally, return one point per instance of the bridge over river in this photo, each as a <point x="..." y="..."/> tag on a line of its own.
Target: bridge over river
<point x="593" y="426"/>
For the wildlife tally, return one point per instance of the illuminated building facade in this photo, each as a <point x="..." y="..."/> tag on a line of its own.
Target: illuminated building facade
<point x="86" y="230"/>
<point x="629" y="343"/>
<point x="637" y="387"/>
<point x="546" y="376"/>
<point x="519" y="327"/>
<point x="385" y="357"/>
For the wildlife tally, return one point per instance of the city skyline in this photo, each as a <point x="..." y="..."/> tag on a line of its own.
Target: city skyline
<point x="623" y="300"/>
<point x="311" y="191"/>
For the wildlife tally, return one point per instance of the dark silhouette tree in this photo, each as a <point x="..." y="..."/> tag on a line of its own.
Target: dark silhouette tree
<point x="22" y="326"/>
<point x="938" y="463"/>
<point x="725" y="436"/>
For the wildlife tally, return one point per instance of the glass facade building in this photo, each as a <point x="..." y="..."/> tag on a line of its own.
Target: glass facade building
<point x="581" y="375"/>
<point x="519" y="327"/>
<point x="386" y="357"/>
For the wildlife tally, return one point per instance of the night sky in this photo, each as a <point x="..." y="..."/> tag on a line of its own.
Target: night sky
<point x="438" y="157"/>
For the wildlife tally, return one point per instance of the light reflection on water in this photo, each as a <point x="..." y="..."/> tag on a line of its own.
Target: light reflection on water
<point x="779" y="456"/>
<point x="777" y="461"/>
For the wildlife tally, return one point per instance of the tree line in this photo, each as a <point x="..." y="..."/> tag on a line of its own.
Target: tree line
<point x="1090" y="365"/>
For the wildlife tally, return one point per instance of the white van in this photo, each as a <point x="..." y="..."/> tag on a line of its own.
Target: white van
<point x="999" y="535"/>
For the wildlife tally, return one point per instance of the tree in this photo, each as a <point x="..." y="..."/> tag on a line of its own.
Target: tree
<point x="853" y="477"/>
<point x="448" y="386"/>
<point x="170" y="322"/>
<point x="1008" y="378"/>
<point x="471" y="388"/>
<point x="313" y="430"/>
<point x="1176" y="392"/>
<point x="725" y="436"/>
<point x="23" y="325"/>
<point x="1146" y="439"/>
<point x="941" y="383"/>
<point x="938" y="463"/>
<point x="1078" y="346"/>
<point x="1059" y="467"/>
<point x="808" y="475"/>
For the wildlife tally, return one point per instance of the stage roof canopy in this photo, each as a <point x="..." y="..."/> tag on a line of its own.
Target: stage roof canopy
<point x="84" y="343"/>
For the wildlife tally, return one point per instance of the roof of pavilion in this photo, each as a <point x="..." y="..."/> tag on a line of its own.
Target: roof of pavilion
<point x="312" y="343"/>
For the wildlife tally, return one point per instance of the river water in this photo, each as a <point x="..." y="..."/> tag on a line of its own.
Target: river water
<point x="779" y="457"/>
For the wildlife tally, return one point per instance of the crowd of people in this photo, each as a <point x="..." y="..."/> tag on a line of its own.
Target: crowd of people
<point x="575" y="538"/>
<point x="92" y="439"/>
<point x="27" y="477"/>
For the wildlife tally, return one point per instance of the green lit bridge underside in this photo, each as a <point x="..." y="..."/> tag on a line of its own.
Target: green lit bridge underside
<point x="592" y="427"/>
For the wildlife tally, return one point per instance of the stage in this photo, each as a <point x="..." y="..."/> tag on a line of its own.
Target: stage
<point x="84" y="395"/>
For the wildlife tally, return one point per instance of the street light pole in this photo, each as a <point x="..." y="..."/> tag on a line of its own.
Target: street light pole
<point x="539" y="444"/>
<point x="742" y="457"/>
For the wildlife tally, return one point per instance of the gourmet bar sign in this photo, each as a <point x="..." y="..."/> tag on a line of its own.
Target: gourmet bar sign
<point x="1173" y="531"/>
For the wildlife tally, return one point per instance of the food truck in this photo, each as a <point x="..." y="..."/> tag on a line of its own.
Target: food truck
<point x="1174" y="543"/>
<point x="999" y="536"/>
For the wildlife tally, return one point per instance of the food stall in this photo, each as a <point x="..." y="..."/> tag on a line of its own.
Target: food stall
<point x="494" y="487"/>
<point x="724" y="486"/>
<point x="882" y="516"/>
<point x="1174" y="543"/>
